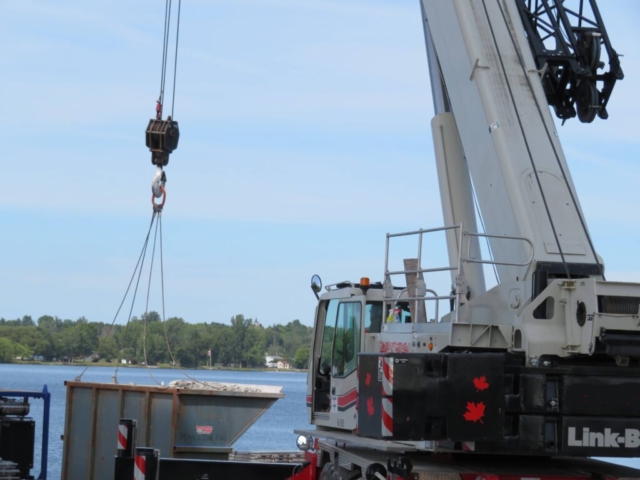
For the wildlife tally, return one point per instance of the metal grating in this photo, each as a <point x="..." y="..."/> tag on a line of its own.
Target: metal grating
<point x="618" y="305"/>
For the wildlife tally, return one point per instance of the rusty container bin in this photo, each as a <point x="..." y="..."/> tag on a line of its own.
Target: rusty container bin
<point x="182" y="423"/>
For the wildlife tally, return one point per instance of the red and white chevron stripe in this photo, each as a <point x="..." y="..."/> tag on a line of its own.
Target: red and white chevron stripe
<point x="387" y="417"/>
<point x="140" y="469"/>
<point x="123" y="432"/>
<point x="387" y="377"/>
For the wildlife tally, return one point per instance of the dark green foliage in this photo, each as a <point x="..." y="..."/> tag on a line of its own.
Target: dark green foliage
<point x="285" y="340"/>
<point x="301" y="358"/>
<point x="242" y="343"/>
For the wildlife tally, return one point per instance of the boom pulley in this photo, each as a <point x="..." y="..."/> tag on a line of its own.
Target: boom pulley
<point x="568" y="46"/>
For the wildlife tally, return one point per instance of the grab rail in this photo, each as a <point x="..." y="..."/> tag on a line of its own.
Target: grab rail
<point x="466" y="258"/>
<point x="494" y="262"/>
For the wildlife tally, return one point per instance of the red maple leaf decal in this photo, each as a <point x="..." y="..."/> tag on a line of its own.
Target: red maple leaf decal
<point x="367" y="379"/>
<point x="481" y="383"/>
<point x="474" y="412"/>
<point x="370" y="409"/>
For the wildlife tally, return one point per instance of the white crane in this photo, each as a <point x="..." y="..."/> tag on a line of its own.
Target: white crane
<point x="545" y="362"/>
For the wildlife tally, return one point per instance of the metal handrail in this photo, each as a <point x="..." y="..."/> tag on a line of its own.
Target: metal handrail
<point x="466" y="259"/>
<point x="437" y="298"/>
<point x="423" y="230"/>
<point x="420" y="234"/>
<point x="494" y="262"/>
<point x="422" y="270"/>
<point x="450" y="268"/>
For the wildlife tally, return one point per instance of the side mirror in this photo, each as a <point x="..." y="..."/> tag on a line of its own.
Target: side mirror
<point x="316" y="285"/>
<point x="304" y="443"/>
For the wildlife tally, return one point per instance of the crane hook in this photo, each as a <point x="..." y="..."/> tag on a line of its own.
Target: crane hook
<point x="158" y="181"/>
<point x="158" y="190"/>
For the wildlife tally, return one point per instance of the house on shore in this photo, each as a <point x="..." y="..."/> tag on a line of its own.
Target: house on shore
<point x="271" y="361"/>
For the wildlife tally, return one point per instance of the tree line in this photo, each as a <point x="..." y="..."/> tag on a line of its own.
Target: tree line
<point x="242" y="343"/>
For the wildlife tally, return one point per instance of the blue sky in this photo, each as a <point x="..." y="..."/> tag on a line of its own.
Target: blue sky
<point x="305" y="137"/>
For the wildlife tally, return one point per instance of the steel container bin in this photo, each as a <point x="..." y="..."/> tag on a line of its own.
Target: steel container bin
<point x="182" y="423"/>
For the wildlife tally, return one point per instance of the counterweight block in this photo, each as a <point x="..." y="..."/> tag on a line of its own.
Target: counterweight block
<point x="492" y="403"/>
<point x="162" y="138"/>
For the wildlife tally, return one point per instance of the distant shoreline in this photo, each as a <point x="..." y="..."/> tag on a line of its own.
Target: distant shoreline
<point x="168" y="367"/>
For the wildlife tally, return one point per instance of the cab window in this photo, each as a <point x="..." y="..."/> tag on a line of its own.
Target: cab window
<point x="347" y="339"/>
<point x="373" y="317"/>
<point x="328" y="335"/>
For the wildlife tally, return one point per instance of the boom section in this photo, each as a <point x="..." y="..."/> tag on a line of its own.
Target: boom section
<point x="515" y="160"/>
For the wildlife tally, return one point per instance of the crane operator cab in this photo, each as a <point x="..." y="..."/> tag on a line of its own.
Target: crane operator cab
<point x="349" y="320"/>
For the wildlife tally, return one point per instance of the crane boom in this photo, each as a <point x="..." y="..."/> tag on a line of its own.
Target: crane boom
<point x="521" y="178"/>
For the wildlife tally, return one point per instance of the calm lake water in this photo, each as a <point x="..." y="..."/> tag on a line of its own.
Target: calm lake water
<point x="273" y="431"/>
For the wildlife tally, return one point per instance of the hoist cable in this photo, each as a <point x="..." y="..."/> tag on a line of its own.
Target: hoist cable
<point x="135" y="292"/>
<point x="138" y="270"/>
<point x="526" y="142"/>
<point x="164" y="323"/>
<point x="165" y="48"/>
<point x="175" y="62"/>
<point x="146" y="308"/>
<point x="133" y="275"/>
<point x="165" y="52"/>
<point x="166" y="334"/>
<point x="484" y="229"/>
<point x="553" y="146"/>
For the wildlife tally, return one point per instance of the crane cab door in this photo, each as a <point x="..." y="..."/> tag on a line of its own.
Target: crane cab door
<point x="338" y="336"/>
